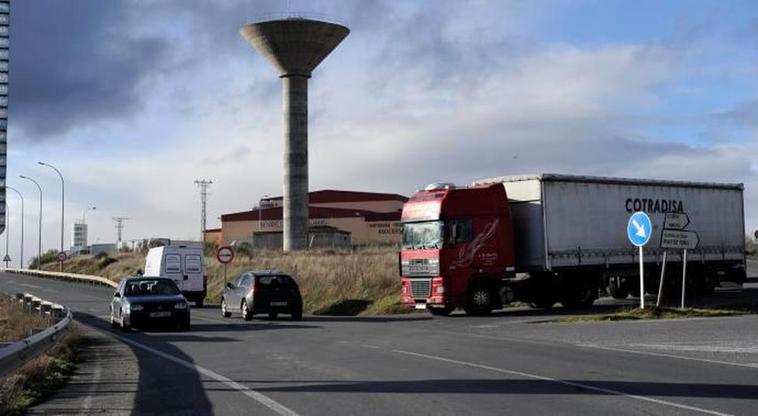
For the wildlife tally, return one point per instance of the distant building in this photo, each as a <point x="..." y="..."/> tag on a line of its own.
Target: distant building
<point x="337" y="218"/>
<point x="79" y="235"/>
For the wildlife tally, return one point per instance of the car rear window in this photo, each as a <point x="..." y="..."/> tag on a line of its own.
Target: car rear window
<point x="155" y="287"/>
<point x="268" y="281"/>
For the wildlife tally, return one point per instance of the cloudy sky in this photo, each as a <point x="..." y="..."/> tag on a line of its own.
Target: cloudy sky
<point x="134" y="100"/>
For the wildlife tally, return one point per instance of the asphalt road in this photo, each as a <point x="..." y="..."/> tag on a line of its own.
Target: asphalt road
<point x="509" y="363"/>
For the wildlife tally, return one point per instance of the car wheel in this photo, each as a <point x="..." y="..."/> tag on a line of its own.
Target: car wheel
<point x="297" y="315"/>
<point x="224" y="312"/>
<point x="123" y="325"/>
<point x="114" y="324"/>
<point x="185" y="325"/>
<point x="247" y="314"/>
<point x="273" y="315"/>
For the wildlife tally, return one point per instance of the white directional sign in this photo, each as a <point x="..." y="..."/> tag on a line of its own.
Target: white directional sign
<point x="676" y="221"/>
<point x="683" y="240"/>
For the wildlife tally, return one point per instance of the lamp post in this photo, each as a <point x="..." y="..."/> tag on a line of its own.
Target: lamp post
<point x="7" y="258"/>
<point x="21" y="263"/>
<point x="39" y="238"/>
<point x="63" y="204"/>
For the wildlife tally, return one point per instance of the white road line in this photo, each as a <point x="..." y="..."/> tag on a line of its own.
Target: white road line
<point x="260" y="398"/>
<point x="25" y="285"/>
<point x="599" y="347"/>
<point x="564" y="382"/>
<point x="660" y="354"/>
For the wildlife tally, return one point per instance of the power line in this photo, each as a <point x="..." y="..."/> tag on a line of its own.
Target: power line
<point x="203" y="184"/>
<point x="119" y="228"/>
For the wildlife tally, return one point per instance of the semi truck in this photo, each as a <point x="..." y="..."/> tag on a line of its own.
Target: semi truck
<point x="550" y="238"/>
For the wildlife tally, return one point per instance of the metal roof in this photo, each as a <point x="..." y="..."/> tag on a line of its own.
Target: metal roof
<point x="559" y="177"/>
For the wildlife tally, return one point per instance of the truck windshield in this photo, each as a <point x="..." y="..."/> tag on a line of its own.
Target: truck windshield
<point x="423" y="235"/>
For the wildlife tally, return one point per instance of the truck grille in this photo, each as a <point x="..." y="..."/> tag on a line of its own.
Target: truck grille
<point x="421" y="289"/>
<point x="420" y="267"/>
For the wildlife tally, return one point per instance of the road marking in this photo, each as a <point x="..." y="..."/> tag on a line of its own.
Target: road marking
<point x="260" y="398"/>
<point x="660" y="354"/>
<point x="564" y="382"/>
<point x="24" y="284"/>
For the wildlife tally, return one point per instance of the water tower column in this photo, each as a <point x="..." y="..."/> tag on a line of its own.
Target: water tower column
<point x="295" y="214"/>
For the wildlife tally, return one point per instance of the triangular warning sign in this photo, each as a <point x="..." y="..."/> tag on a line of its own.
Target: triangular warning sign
<point x="7" y="258"/>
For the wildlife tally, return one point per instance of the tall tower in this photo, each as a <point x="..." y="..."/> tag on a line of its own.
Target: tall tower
<point x="295" y="47"/>
<point x="5" y="18"/>
<point x="203" y="184"/>
<point x="119" y="229"/>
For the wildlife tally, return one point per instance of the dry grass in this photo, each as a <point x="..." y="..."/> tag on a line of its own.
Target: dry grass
<point x="330" y="281"/>
<point x="40" y="377"/>
<point x="16" y="323"/>
<point x="651" y="313"/>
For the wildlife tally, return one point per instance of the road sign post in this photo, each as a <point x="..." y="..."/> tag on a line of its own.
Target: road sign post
<point x="638" y="229"/>
<point x="675" y="236"/>
<point x="660" y="284"/>
<point x="684" y="275"/>
<point x="225" y="255"/>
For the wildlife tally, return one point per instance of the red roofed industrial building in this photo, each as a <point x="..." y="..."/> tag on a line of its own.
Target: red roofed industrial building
<point x="358" y="218"/>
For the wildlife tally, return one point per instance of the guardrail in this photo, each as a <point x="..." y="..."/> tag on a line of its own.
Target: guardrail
<point x="81" y="278"/>
<point x="13" y="356"/>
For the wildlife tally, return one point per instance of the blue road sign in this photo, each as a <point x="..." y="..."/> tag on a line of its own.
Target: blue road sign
<point x="639" y="229"/>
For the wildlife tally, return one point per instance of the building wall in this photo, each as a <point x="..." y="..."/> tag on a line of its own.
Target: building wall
<point x="375" y="206"/>
<point x="361" y="231"/>
<point x="214" y="236"/>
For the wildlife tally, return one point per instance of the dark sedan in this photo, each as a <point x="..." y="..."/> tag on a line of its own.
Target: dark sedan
<point x="269" y="292"/>
<point x="146" y="301"/>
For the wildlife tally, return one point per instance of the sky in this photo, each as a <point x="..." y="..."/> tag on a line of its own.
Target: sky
<point x="133" y="100"/>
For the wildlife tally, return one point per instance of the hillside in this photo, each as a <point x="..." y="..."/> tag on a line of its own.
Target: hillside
<point x="341" y="283"/>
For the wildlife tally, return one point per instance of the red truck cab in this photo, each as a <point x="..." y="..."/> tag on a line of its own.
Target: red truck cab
<point x="457" y="248"/>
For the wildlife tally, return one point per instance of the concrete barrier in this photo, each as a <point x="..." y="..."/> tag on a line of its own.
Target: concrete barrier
<point x="80" y="278"/>
<point x="13" y="356"/>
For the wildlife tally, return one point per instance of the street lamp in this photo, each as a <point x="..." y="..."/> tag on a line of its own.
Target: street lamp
<point x="39" y="239"/>
<point x="84" y="214"/>
<point x="21" y="263"/>
<point x="63" y="204"/>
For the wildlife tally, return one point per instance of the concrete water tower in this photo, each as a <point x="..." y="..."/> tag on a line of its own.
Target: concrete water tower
<point x="295" y="46"/>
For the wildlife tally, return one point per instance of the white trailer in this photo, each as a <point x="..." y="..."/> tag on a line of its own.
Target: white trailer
<point x="567" y="222"/>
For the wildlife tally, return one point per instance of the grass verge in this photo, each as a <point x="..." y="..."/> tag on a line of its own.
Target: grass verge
<point x="40" y="377"/>
<point x="648" y="314"/>
<point x="332" y="282"/>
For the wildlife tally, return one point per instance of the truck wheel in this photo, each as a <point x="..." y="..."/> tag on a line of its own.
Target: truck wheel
<point x="479" y="301"/>
<point x="440" y="311"/>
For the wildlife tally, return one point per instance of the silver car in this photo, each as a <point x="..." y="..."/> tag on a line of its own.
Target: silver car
<point x="272" y="292"/>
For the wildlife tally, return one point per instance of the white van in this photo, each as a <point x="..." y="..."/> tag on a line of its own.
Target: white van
<point x="185" y="265"/>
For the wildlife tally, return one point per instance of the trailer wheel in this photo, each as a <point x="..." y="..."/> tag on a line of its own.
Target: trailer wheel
<point x="579" y="296"/>
<point x="618" y="291"/>
<point x="480" y="300"/>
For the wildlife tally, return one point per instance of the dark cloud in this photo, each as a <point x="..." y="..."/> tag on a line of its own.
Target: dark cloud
<point x="744" y="114"/>
<point x="74" y="63"/>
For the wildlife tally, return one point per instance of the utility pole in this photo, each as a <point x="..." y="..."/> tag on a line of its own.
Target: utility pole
<point x="119" y="229"/>
<point x="203" y="184"/>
